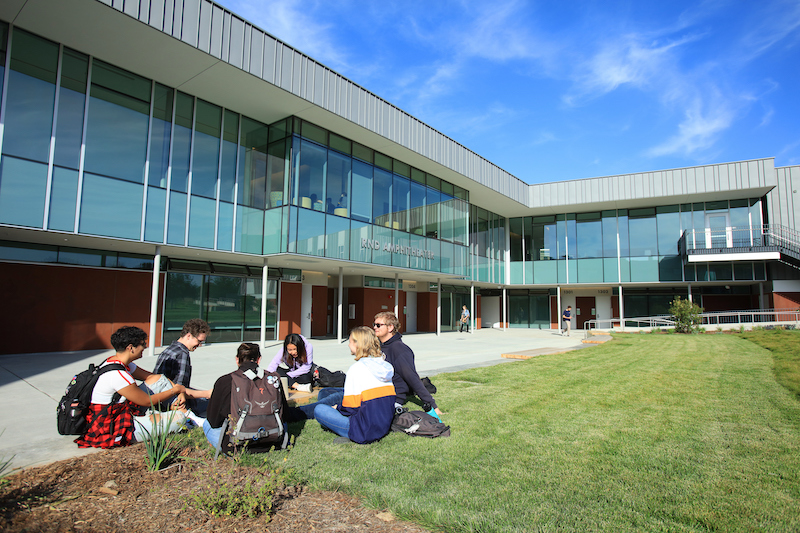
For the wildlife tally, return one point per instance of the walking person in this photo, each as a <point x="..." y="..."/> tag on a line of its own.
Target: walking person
<point x="567" y="317"/>
<point x="464" y="319"/>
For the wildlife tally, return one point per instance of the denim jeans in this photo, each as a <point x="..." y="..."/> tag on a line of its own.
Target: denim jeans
<point x="327" y="396"/>
<point x="331" y="419"/>
<point x="212" y="434"/>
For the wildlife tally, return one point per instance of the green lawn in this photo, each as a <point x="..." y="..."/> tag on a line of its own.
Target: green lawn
<point x="643" y="433"/>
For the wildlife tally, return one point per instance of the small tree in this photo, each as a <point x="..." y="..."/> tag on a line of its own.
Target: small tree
<point x="686" y="315"/>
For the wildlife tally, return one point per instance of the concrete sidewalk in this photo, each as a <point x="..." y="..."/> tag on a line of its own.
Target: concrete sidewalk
<point x="32" y="384"/>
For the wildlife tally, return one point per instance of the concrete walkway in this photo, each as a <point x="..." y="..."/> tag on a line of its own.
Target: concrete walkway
<point x="32" y="384"/>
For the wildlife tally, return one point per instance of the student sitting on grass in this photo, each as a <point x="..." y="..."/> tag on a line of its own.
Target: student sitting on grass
<point x="366" y="409"/>
<point x="113" y="423"/>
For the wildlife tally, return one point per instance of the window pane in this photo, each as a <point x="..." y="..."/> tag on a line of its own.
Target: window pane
<point x="110" y="207"/>
<point x="22" y="191"/>
<point x="253" y="164"/>
<point x="669" y="229"/>
<point x="205" y="157"/>
<point x="225" y="307"/>
<point x="249" y="230"/>
<point x="183" y="300"/>
<point x="310" y="232"/>
<point x="201" y="222"/>
<point x="337" y="237"/>
<point x="609" y="222"/>
<point x="154" y="216"/>
<point x="432" y="213"/>
<point x="225" y="227"/>
<point x="159" y="137"/>
<point x="361" y="192"/>
<point x="643" y="241"/>
<point x="116" y="133"/>
<point x="589" y="235"/>
<point x="182" y="143"/>
<point x="230" y="139"/>
<point x="71" y="101"/>
<point x="382" y="197"/>
<point x="277" y="170"/>
<point x="338" y="183"/>
<point x="400" y="202"/>
<point x="312" y="162"/>
<point x="176" y="229"/>
<point x="417" y="212"/>
<point x="30" y="98"/>
<point x="63" y="196"/>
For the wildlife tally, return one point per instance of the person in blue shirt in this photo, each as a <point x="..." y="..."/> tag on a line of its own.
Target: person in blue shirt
<point x="464" y="319"/>
<point x="567" y="316"/>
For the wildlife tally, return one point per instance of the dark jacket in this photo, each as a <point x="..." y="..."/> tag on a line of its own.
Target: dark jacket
<point x="405" y="379"/>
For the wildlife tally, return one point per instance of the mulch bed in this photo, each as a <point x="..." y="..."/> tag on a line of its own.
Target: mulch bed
<point x="112" y="491"/>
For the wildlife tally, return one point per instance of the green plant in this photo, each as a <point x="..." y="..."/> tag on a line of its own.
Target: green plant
<point x="719" y="329"/>
<point x="4" y="463"/>
<point x="159" y="444"/>
<point x="686" y="315"/>
<point x="236" y="491"/>
<point x="655" y="330"/>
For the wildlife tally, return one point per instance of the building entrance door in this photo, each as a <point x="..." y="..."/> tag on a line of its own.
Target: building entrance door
<point x="585" y="310"/>
<point x="718" y="231"/>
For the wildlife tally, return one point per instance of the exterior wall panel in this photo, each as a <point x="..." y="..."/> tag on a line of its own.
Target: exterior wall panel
<point x="156" y="19"/>
<point x="190" y="22"/>
<point x="217" y="23"/>
<point x="204" y="29"/>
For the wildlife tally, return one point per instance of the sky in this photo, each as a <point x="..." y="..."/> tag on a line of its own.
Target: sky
<point x="554" y="90"/>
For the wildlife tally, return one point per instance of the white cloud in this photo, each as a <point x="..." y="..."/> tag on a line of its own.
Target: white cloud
<point x="701" y="125"/>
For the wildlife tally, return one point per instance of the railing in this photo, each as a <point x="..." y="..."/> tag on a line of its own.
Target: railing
<point x="752" y="317"/>
<point x="723" y="240"/>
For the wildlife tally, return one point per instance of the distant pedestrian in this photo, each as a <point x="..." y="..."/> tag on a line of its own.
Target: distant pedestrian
<point x="567" y="317"/>
<point x="464" y="319"/>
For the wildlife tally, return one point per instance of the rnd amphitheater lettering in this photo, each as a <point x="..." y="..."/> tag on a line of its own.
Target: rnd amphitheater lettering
<point x="396" y="248"/>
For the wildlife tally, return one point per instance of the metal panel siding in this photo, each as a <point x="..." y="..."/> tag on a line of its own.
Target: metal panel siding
<point x="204" y="28"/>
<point x="190" y="21"/>
<point x="236" y="42"/>
<point x="131" y="8"/>
<point x="256" y="52"/>
<point x="144" y="11"/>
<point x="177" y="16"/>
<point x="268" y="72"/>
<point x="215" y="32"/>
<point x="157" y="14"/>
<point x="118" y="4"/>
<point x="226" y="36"/>
<point x="248" y="35"/>
<point x="286" y="68"/>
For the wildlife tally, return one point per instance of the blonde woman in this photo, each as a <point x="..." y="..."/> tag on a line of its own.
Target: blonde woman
<point x="367" y="407"/>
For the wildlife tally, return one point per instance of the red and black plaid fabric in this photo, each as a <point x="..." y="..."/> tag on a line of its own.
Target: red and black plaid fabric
<point x="104" y="428"/>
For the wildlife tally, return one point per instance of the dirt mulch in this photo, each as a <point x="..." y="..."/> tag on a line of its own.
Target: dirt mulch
<point x="112" y="491"/>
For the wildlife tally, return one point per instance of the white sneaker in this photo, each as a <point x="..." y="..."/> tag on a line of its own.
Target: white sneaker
<point x="304" y="387"/>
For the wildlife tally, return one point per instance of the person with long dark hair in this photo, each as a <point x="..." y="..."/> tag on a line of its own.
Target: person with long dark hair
<point x="297" y="355"/>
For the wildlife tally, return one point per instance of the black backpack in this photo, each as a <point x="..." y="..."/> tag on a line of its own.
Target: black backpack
<point x="257" y="409"/>
<point x="419" y="424"/>
<point x="326" y="378"/>
<point x="74" y="405"/>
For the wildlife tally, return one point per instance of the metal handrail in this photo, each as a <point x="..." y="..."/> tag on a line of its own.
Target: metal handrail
<point x="716" y="318"/>
<point x="758" y="237"/>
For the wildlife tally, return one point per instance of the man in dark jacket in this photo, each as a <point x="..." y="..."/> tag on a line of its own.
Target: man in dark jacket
<point x="405" y="379"/>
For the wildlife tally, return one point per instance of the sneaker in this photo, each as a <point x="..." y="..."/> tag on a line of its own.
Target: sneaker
<point x="304" y="387"/>
<point x="341" y="440"/>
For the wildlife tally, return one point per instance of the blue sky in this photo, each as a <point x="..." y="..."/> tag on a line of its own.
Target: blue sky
<point x="553" y="90"/>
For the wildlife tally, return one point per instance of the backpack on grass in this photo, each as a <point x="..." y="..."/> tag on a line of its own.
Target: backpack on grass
<point x="419" y="424"/>
<point x="257" y="409"/>
<point x="74" y="405"/>
<point x="326" y="378"/>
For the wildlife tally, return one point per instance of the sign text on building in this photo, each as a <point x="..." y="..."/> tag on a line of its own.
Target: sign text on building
<point x="396" y="248"/>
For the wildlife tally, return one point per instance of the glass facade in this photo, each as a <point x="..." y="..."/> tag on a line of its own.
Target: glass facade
<point x="626" y="245"/>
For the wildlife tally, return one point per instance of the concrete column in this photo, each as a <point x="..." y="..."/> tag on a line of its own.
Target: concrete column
<point x="339" y="307"/>
<point x="505" y="310"/>
<point x="690" y="292"/>
<point x="438" y="306"/>
<point x="621" y="310"/>
<point x="154" y="301"/>
<point x="264" y="282"/>
<point x="472" y="319"/>
<point x="396" y="296"/>
<point x="558" y="307"/>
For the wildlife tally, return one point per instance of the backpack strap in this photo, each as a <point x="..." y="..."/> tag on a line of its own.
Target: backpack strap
<point x="116" y="396"/>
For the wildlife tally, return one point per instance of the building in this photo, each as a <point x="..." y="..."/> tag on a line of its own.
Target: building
<point x="166" y="159"/>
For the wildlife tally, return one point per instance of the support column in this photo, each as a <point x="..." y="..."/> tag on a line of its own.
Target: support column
<point x="472" y="319"/>
<point x="396" y="296"/>
<point x="154" y="301"/>
<point x="438" y="306"/>
<point x="505" y="310"/>
<point x="558" y="307"/>
<point x="621" y="310"/>
<point x="264" y="282"/>
<point x="690" y="293"/>
<point x="339" y="307"/>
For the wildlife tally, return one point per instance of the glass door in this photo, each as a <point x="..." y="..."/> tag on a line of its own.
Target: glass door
<point x="718" y="231"/>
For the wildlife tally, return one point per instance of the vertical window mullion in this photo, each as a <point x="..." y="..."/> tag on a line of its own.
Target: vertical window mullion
<point x="236" y="184"/>
<point x="51" y="156"/>
<point x="219" y="178"/>
<point x="82" y="162"/>
<point x="191" y="165"/>
<point x="147" y="157"/>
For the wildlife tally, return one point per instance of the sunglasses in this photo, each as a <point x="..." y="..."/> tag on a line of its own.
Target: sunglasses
<point x="376" y="325"/>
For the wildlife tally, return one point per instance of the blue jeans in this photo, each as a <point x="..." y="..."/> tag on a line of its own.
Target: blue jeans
<point x="212" y="434"/>
<point x="327" y="396"/>
<point x="331" y="419"/>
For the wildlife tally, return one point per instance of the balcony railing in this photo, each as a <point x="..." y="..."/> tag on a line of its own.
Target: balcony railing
<point x="741" y="240"/>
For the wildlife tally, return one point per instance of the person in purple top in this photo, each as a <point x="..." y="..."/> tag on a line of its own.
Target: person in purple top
<point x="297" y="355"/>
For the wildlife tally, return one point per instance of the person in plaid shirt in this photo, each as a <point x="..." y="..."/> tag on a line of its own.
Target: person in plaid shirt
<point x="174" y="362"/>
<point x="117" y="401"/>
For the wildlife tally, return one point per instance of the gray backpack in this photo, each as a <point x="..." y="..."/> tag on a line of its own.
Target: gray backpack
<point x="256" y="409"/>
<point x="419" y="424"/>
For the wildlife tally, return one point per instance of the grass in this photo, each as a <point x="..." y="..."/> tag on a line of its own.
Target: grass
<point x="785" y="348"/>
<point x="643" y="433"/>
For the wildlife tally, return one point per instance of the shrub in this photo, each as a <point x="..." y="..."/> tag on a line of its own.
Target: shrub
<point x="236" y="491"/>
<point x="686" y="315"/>
<point x="159" y="444"/>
